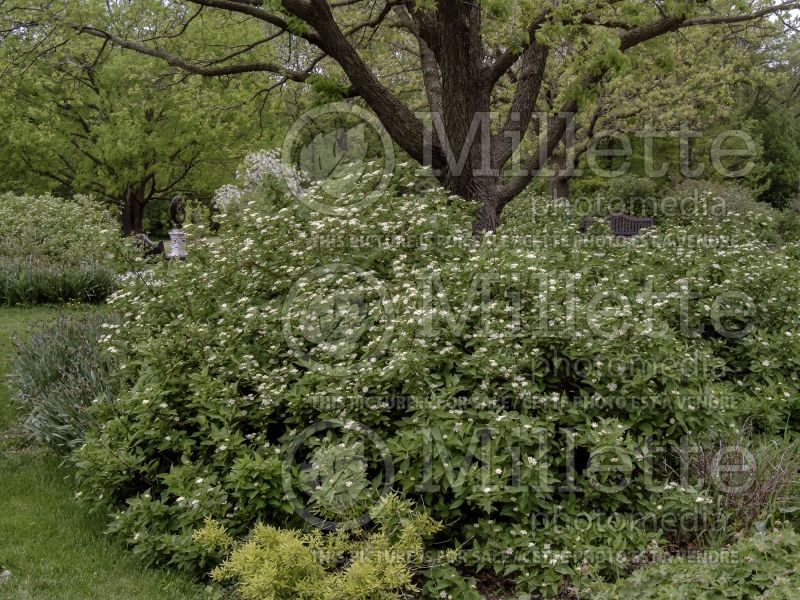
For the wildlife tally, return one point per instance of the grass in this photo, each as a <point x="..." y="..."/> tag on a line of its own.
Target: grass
<point x="53" y="548"/>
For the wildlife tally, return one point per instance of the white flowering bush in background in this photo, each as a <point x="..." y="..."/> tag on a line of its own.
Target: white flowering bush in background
<point x="259" y="168"/>
<point x="55" y="230"/>
<point x="524" y="389"/>
<point x="55" y="250"/>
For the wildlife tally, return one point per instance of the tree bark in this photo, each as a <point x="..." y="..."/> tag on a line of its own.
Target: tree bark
<point x="487" y="216"/>
<point x="559" y="181"/>
<point x="559" y="187"/>
<point x="132" y="211"/>
<point x="466" y="112"/>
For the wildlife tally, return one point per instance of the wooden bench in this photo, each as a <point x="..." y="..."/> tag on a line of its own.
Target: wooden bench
<point x="621" y="224"/>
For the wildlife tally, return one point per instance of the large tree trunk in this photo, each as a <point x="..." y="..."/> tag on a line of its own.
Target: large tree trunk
<point x="133" y="211"/>
<point x="559" y="181"/>
<point x="468" y="169"/>
<point x="487" y="217"/>
<point x="559" y="186"/>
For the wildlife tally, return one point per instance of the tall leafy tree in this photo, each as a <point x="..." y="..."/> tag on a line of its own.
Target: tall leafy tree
<point x="89" y="118"/>
<point x="772" y="100"/>
<point x="470" y="54"/>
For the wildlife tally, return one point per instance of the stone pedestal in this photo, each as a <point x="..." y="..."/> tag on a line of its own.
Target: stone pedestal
<point x="177" y="240"/>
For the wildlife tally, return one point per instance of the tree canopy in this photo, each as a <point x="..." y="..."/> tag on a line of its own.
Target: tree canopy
<point x="91" y="118"/>
<point x="501" y="79"/>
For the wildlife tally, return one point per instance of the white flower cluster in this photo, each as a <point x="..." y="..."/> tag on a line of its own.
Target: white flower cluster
<point x="255" y="169"/>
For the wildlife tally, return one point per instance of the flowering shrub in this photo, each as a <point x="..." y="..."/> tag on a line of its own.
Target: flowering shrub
<point x="54" y="250"/>
<point x="525" y="388"/>
<point x="55" y="231"/>
<point x="262" y="169"/>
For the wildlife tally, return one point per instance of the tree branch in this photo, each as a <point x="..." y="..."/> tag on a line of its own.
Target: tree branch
<point x="197" y="69"/>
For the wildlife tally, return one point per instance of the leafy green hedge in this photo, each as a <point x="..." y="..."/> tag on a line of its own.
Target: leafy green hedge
<point x="301" y="359"/>
<point x="55" y="231"/>
<point x="54" y="250"/>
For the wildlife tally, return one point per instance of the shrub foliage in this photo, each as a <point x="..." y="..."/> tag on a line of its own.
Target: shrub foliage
<point x="522" y="388"/>
<point x="54" y="230"/>
<point x="761" y="567"/>
<point x="281" y="564"/>
<point x="54" y="250"/>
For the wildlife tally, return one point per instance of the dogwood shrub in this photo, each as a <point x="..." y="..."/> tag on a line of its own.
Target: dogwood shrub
<point x="524" y="388"/>
<point x="55" y="231"/>
<point x="54" y="250"/>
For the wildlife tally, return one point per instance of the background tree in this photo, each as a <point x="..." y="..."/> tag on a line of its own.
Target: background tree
<point x="771" y="100"/>
<point x="93" y="119"/>
<point x="673" y="86"/>
<point x="466" y="50"/>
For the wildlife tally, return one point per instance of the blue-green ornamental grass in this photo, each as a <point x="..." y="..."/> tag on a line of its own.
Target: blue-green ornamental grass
<point x="529" y="388"/>
<point x="58" y="372"/>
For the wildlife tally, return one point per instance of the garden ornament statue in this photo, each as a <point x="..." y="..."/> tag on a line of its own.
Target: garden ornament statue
<point x="177" y="237"/>
<point x="148" y="247"/>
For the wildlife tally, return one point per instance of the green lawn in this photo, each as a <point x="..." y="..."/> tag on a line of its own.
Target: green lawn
<point x="53" y="549"/>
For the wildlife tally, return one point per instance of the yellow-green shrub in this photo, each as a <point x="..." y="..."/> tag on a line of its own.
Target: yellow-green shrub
<point x="285" y="564"/>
